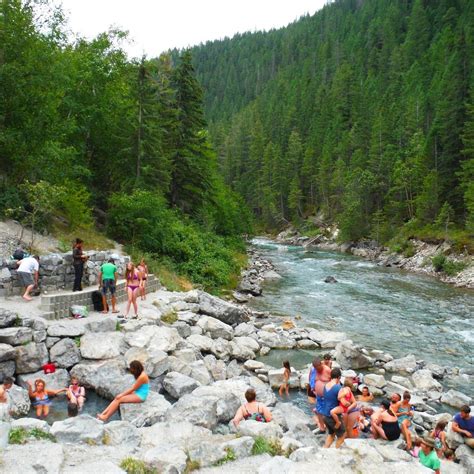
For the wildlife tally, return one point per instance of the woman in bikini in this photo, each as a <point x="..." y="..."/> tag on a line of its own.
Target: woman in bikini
<point x="40" y="397"/>
<point x="252" y="410"/>
<point x="76" y="394"/>
<point x="134" y="280"/>
<point x="347" y="402"/>
<point x="143" y="269"/>
<point x="138" y="393"/>
<point x="403" y="411"/>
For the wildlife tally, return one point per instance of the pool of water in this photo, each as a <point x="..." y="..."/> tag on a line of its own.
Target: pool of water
<point x="380" y="308"/>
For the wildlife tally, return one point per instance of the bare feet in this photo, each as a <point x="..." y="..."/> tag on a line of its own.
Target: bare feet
<point x="101" y="417"/>
<point x="27" y="298"/>
<point x="337" y="424"/>
<point x="104" y="312"/>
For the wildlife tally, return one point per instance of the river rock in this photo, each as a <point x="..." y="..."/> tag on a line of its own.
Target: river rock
<point x="423" y="380"/>
<point x="30" y="424"/>
<point x="256" y="429"/>
<point x="177" y="384"/>
<point x="121" y="433"/>
<point x="405" y="365"/>
<point x="200" y="373"/>
<point x="31" y="357"/>
<point x="465" y="455"/>
<point x="107" y="378"/>
<point x="241" y="447"/>
<point x="275" y="340"/>
<point x="67" y="328"/>
<point x="240" y="352"/>
<point x="217" y="368"/>
<point x="65" y="353"/>
<point x="197" y="410"/>
<point x="330" y="279"/>
<point x="455" y="399"/>
<point x="453" y="439"/>
<point x="254" y="365"/>
<point x="7" y="352"/>
<point x="215" y="328"/>
<point x="18" y="401"/>
<point x="39" y="457"/>
<point x="227" y="402"/>
<point x="161" y="338"/>
<point x="251" y="286"/>
<point x="152" y="410"/>
<point x="7" y="318"/>
<point x="289" y="416"/>
<point x="101" y="346"/>
<point x="271" y="275"/>
<point x="375" y="380"/>
<point x="222" y="310"/>
<point x="307" y="344"/>
<point x="78" y="429"/>
<point x="244" y="329"/>
<point x="350" y="355"/>
<point x="16" y="336"/>
<point x="55" y="381"/>
<point x="166" y="458"/>
<point x="403" y="381"/>
<point x="7" y="369"/>
<point x="327" y="339"/>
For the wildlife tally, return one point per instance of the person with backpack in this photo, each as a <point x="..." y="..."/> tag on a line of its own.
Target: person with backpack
<point x="28" y="271"/>
<point x="252" y="410"/>
<point x="108" y="276"/>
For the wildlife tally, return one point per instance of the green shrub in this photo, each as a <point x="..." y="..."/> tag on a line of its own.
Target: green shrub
<point x="170" y="317"/>
<point x="442" y="264"/>
<point x="40" y="434"/>
<point x="135" y="466"/>
<point x="17" y="436"/>
<point x="264" y="446"/>
<point x="438" y="262"/>
<point x="230" y="456"/>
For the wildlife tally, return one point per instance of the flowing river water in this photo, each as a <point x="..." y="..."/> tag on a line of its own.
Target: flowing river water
<point x="380" y="308"/>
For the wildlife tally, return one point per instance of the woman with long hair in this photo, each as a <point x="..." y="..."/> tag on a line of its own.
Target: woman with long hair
<point x="41" y="396"/>
<point x="134" y="281"/>
<point x="138" y="393"/>
<point x="143" y="269"/>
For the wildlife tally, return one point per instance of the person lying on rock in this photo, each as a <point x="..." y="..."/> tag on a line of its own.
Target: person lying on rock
<point x="385" y="423"/>
<point x="365" y="396"/>
<point x="463" y="423"/>
<point x="252" y="410"/>
<point x="76" y="394"/>
<point x="138" y="393"/>
<point x="40" y="396"/>
<point x="403" y="411"/>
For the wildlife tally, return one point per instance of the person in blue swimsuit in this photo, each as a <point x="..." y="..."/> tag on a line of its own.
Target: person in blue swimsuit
<point x="136" y="394"/>
<point x="41" y="396"/>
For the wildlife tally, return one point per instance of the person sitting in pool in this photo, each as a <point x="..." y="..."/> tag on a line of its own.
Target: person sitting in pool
<point x="138" y="393"/>
<point x="365" y="396"/>
<point x="40" y="396"/>
<point x="327" y="360"/>
<point x="76" y="394"/>
<point x="252" y="410"/>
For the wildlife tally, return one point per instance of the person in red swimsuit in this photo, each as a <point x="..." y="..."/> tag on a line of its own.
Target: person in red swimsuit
<point x="347" y="402"/>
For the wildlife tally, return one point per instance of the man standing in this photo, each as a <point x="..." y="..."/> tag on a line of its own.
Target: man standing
<point x="319" y="375"/>
<point x="108" y="276"/>
<point x="463" y="424"/>
<point x="331" y="400"/>
<point x="428" y="456"/>
<point x="28" y="271"/>
<point x="78" y="260"/>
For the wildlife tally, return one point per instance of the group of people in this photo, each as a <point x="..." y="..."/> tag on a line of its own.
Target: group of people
<point x="136" y="278"/>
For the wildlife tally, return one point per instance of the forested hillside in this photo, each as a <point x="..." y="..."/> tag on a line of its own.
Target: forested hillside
<point x="363" y="111"/>
<point x="84" y="129"/>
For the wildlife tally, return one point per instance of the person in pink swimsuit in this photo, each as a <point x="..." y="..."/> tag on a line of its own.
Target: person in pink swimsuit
<point x="76" y="394"/>
<point x="134" y="281"/>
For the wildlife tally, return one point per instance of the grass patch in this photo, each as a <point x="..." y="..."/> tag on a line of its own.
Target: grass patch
<point x="170" y="317"/>
<point x="230" y="456"/>
<point x="40" y="434"/>
<point x="266" y="446"/>
<point x="93" y="240"/>
<point x="21" y="435"/>
<point x="135" y="466"/>
<point x="191" y="466"/>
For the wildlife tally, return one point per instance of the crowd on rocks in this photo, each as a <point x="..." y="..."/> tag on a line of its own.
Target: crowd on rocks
<point x="191" y="394"/>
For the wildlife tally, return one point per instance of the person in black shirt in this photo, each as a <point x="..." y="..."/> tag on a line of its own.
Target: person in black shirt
<point x="78" y="263"/>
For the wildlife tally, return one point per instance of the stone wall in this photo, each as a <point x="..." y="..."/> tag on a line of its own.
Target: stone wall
<point x="57" y="271"/>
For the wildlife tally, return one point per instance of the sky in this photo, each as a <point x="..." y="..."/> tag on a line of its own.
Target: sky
<point x="155" y="26"/>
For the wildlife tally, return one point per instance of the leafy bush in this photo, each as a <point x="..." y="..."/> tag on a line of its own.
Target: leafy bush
<point x="438" y="262"/>
<point x="230" y="456"/>
<point x="264" y="446"/>
<point x="442" y="264"/>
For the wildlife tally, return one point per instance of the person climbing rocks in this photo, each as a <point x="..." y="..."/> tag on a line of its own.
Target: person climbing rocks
<point x="28" y="271"/>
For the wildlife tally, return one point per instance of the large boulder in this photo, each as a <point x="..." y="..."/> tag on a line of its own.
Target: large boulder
<point x="423" y="380"/>
<point x="240" y="352"/>
<point x="7" y="369"/>
<point x="453" y="439"/>
<point x="215" y="328"/>
<point x="30" y="424"/>
<point x="7" y="352"/>
<point x="244" y="329"/>
<point x="7" y="318"/>
<point x="349" y="355"/>
<point x="31" y="357"/>
<point x="276" y="340"/>
<point x="207" y="453"/>
<point x="101" y="346"/>
<point x="160" y="338"/>
<point x="79" y="429"/>
<point x="222" y="310"/>
<point x="39" y="457"/>
<point x="152" y="410"/>
<point x="256" y="428"/>
<point x="166" y="458"/>
<point x="289" y="416"/>
<point x="200" y="373"/>
<point x="121" y="433"/>
<point x="177" y="384"/>
<point x="107" y="378"/>
<point x="55" y="381"/>
<point x="16" y="336"/>
<point x="404" y="365"/>
<point x="327" y="339"/>
<point x="197" y="410"/>
<point x="65" y="353"/>
<point x="227" y="402"/>
<point x="455" y="399"/>
<point x="19" y="402"/>
<point x="202" y="343"/>
<point x="375" y="380"/>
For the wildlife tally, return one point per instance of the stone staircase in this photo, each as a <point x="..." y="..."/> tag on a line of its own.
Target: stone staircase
<point x="57" y="305"/>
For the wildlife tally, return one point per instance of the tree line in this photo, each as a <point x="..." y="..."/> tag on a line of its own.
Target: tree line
<point x="87" y="129"/>
<point x="363" y="112"/>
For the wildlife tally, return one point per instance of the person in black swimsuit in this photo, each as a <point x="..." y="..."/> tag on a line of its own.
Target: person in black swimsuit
<point x="385" y="423"/>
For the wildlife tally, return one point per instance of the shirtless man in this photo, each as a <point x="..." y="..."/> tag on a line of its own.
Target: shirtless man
<point x="7" y="385"/>
<point x="320" y="374"/>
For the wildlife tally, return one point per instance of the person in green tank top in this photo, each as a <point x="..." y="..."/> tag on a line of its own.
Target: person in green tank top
<point x="108" y="281"/>
<point x="428" y="456"/>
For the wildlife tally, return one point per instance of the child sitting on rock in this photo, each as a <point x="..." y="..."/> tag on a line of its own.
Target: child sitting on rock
<point x="347" y="402"/>
<point x="439" y="436"/>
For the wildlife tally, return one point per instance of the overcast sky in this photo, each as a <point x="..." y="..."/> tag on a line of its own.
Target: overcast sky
<point x="155" y="26"/>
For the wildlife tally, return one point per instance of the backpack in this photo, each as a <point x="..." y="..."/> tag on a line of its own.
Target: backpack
<point x="97" y="301"/>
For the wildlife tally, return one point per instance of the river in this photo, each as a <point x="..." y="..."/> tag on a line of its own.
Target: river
<point x="380" y="308"/>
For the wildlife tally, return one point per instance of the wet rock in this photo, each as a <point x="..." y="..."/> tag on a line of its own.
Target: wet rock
<point x="65" y="353"/>
<point x="16" y="336"/>
<point x="79" y="429"/>
<point x="240" y="297"/>
<point x="330" y="279"/>
<point x="306" y="344"/>
<point x="249" y="286"/>
<point x="177" y="384"/>
<point x="271" y="275"/>
<point x="152" y="410"/>
<point x="327" y="339"/>
<point x="455" y="399"/>
<point x="31" y="357"/>
<point x="223" y="311"/>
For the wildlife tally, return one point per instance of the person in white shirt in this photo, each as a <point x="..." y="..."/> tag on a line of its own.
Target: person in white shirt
<point x="28" y="272"/>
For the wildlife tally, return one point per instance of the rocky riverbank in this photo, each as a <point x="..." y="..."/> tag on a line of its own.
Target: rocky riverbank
<point x="200" y="353"/>
<point x="417" y="258"/>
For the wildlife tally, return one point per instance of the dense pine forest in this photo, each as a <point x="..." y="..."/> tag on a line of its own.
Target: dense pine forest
<point x="363" y="113"/>
<point x="89" y="138"/>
